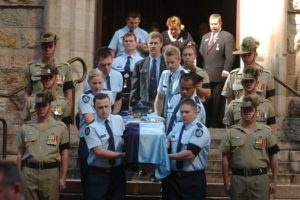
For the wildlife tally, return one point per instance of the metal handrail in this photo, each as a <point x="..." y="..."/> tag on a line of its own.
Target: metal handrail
<point x="4" y="138"/>
<point x="286" y="86"/>
<point x="83" y="66"/>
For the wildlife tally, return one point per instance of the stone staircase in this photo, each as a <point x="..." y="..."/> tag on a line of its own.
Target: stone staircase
<point x="142" y="188"/>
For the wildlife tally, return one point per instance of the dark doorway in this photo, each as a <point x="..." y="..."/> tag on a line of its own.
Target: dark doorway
<point x="192" y="13"/>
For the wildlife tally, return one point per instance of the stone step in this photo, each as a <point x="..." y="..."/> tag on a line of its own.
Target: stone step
<point x="151" y="190"/>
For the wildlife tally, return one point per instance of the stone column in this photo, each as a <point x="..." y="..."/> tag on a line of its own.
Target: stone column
<point x="266" y="20"/>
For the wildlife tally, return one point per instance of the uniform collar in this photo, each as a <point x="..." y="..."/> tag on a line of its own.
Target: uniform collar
<point x="188" y="126"/>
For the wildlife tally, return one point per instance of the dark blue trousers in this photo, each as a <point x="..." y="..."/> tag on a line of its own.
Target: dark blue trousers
<point x="83" y="154"/>
<point x="103" y="185"/>
<point x="184" y="187"/>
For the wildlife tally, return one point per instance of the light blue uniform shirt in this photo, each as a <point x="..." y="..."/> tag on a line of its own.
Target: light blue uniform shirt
<point x="85" y="105"/>
<point x="120" y="61"/>
<point x="175" y="100"/>
<point x="116" y="42"/>
<point x="116" y="84"/>
<point x="96" y="135"/>
<point x="164" y="82"/>
<point x="194" y="134"/>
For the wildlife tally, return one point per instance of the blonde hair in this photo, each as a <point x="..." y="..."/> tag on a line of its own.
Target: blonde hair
<point x="173" y="21"/>
<point x="94" y="73"/>
<point x="171" y="50"/>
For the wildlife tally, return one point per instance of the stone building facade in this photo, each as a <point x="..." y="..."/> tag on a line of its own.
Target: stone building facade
<point x="276" y="24"/>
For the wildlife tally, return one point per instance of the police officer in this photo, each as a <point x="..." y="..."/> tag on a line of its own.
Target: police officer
<point x="33" y="70"/>
<point x="59" y="105"/>
<point x="265" y="86"/>
<point x="113" y="80"/>
<point x="106" y="177"/>
<point x="188" y="87"/>
<point x="86" y="115"/>
<point x="189" y="144"/>
<point x="265" y="110"/>
<point x="43" y="145"/>
<point x="248" y="149"/>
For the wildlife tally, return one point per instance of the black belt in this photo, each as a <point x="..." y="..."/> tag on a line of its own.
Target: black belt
<point x="105" y="170"/>
<point x="187" y="174"/>
<point x="41" y="165"/>
<point x="249" y="172"/>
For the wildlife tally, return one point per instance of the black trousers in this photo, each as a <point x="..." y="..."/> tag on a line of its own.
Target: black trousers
<point x="184" y="188"/>
<point x="83" y="154"/>
<point x="215" y="106"/>
<point x="106" y="185"/>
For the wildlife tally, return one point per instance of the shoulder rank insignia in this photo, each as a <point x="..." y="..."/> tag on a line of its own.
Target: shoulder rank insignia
<point x="52" y="139"/>
<point x="85" y="98"/>
<point x="87" y="131"/>
<point x="199" y="132"/>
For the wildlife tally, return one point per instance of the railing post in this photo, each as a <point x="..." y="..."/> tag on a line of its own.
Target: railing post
<point x="4" y="145"/>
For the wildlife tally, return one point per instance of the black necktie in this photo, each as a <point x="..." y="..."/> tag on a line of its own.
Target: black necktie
<point x="108" y="83"/>
<point x="153" y="80"/>
<point x="127" y="65"/>
<point x="179" y="164"/>
<point x="170" y="85"/>
<point x="111" y="141"/>
<point x="173" y="118"/>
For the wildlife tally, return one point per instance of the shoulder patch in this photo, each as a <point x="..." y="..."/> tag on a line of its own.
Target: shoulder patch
<point x="199" y="125"/>
<point x="85" y="98"/>
<point x="199" y="132"/>
<point x="87" y="131"/>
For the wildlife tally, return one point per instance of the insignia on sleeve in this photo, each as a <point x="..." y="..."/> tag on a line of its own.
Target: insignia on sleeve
<point x="85" y="98"/>
<point x="198" y="132"/>
<point x="87" y="131"/>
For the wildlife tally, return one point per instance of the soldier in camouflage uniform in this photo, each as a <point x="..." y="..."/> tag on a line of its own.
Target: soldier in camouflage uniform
<point x="33" y="70"/>
<point x="248" y="150"/>
<point x="43" y="145"/>
<point x="233" y="88"/>
<point x="265" y="111"/>
<point x="59" y="105"/>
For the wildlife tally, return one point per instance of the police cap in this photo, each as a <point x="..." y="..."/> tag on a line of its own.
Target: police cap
<point x="248" y="45"/>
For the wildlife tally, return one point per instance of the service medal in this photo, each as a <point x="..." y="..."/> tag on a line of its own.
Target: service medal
<point x="52" y="139"/>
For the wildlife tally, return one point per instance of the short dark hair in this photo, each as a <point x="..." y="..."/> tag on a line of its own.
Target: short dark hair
<point x="195" y="78"/>
<point x="9" y="173"/>
<point x="134" y="14"/>
<point x="129" y="34"/>
<point x="104" y="52"/>
<point x="100" y="96"/>
<point x="190" y="102"/>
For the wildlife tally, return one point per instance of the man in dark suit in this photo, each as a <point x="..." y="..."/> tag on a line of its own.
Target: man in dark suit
<point x="216" y="49"/>
<point x="147" y="72"/>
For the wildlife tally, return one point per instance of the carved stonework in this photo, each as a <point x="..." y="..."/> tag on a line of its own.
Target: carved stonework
<point x="8" y="39"/>
<point x="13" y="17"/>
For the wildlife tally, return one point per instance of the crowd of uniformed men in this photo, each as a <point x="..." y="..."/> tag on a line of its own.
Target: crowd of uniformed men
<point x="161" y="68"/>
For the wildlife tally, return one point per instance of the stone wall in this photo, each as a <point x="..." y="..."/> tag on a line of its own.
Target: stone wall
<point x="21" y="23"/>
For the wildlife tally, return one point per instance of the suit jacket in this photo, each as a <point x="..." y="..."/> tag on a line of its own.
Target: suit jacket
<point x="219" y="57"/>
<point x="140" y="80"/>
